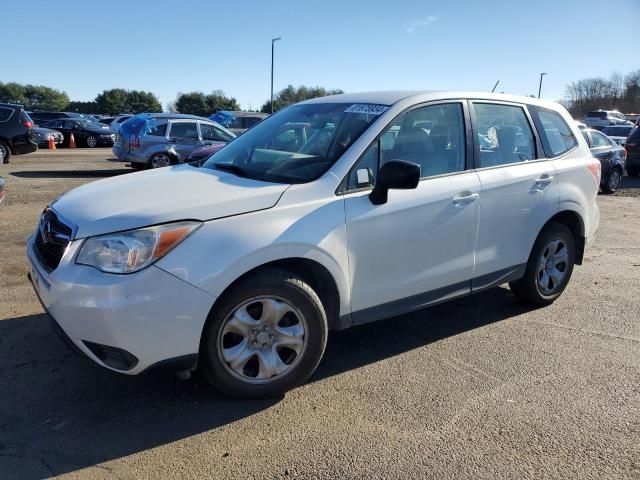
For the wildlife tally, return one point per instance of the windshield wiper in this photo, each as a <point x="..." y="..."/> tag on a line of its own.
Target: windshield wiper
<point x="233" y="168"/>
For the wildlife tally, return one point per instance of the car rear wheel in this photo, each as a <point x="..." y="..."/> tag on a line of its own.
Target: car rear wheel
<point x="265" y="336"/>
<point x="5" y="152"/>
<point x="613" y="182"/>
<point x="91" y="141"/>
<point x="160" y="160"/>
<point x="549" y="267"/>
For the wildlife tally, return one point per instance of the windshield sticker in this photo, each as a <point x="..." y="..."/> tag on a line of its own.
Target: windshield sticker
<point x="367" y="108"/>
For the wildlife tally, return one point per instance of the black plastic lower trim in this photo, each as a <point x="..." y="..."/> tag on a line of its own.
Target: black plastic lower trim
<point x="172" y="365"/>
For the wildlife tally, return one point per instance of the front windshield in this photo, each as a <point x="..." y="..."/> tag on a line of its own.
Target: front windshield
<point x="297" y="144"/>
<point x="88" y="124"/>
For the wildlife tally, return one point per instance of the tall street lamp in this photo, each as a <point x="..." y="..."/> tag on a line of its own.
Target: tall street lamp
<point x="273" y="42"/>
<point x="540" y="86"/>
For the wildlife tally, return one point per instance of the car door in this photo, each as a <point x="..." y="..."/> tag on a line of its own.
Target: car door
<point x="184" y="137"/>
<point x="417" y="248"/>
<point x="602" y="149"/>
<point x="519" y="192"/>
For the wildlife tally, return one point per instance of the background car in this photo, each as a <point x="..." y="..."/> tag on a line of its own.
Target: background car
<point x="85" y="133"/>
<point x="173" y="137"/>
<point x="204" y="152"/>
<point x="632" y="147"/>
<point x="119" y="120"/>
<point x="600" y="118"/>
<point x="617" y="133"/>
<point x="612" y="158"/>
<point x="42" y="136"/>
<point x="238" y="122"/>
<point x="16" y="134"/>
<point x="41" y="117"/>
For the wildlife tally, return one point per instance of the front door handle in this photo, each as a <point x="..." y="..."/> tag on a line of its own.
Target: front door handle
<point x="465" y="197"/>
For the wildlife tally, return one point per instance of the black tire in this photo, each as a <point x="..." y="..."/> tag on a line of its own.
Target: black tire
<point x="5" y="155"/>
<point x="272" y="282"/>
<point x="613" y="182"/>
<point x="152" y="159"/>
<point x="633" y="171"/>
<point x="528" y="288"/>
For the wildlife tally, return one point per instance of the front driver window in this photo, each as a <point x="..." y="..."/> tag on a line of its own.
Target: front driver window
<point x="432" y="136"/>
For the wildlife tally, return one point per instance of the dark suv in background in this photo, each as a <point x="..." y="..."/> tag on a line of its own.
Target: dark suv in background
<point x="16" y="136"/>
<point x="632" y="146"/>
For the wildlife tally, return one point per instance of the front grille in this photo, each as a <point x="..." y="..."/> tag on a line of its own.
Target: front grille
<point x="52" y="239"/>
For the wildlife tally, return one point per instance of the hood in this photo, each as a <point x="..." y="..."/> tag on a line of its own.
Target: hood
<point x="163" y="195"/>
<point x="98" y="131"/>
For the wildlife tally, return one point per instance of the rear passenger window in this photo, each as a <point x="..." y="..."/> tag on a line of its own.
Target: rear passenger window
<point x="504" y="134"/>
<point x="160" y="130"/>
<point x="557" y="138"/>
<point x="184" y="130"/>
<point x="5" y="114"/>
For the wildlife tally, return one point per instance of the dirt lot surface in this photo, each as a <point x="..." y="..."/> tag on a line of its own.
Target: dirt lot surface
<point x="478" y="388"/>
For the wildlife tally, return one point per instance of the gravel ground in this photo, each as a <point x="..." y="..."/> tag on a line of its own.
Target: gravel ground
<point x="478" y="388"/>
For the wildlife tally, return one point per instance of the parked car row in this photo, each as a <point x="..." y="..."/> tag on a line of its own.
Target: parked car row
<point x="603" y="118"/>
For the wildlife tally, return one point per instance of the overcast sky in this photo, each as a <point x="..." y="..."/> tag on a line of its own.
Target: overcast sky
<point x="169" y="47"/>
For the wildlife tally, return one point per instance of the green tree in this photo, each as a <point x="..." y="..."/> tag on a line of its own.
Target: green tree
<point x="194" y="103"/>
<point x="112" y="102"/>
<point x="33" y="97"/>
<point x="119" y="100"/>
<point x="292" y="95"/>
<point x="82" y="107"/>
<point x="199" y="103"/>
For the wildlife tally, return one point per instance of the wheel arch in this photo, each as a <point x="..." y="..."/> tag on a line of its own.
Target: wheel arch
<point x="313" y="272"/>
<point x="575" y="223"/>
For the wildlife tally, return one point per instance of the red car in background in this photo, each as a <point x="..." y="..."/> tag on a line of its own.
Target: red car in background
<point x="201" y="154"/>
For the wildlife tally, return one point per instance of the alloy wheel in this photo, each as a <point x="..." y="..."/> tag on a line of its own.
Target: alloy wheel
<point x="160" y="160"/>
<point x="552" y="266"/>
<point x="614" y="180"/>
<point x="92" y="141"/>
<point x="262" y="339"/>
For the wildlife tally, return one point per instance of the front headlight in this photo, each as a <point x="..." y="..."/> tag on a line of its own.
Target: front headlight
<point x="131" y="251"/>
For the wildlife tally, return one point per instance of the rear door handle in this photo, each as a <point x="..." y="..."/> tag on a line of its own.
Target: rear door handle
<point x="465" y="197"/>
<point x="544" y="180"/>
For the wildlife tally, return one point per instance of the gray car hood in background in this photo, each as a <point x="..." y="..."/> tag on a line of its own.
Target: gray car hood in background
<point x="164" y="195"/>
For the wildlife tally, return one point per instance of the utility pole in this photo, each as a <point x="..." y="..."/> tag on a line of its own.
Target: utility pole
<point x="273" y="42"/>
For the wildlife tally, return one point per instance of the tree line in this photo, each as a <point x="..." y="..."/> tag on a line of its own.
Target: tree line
<point x="119" y="100"/>
<point x="617" y="92"/>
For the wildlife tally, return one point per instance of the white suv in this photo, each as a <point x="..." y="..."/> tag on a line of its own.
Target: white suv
<point x="604" y="118"/>
<point x="377" y="204"/>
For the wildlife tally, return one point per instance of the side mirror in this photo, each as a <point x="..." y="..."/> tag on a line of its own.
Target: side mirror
<point x="396" y="174"/>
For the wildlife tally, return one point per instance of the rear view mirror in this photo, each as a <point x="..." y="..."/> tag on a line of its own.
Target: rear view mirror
<point x="395" y="174"/>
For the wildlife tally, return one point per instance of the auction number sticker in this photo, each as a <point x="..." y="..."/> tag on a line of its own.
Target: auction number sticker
<point x="367" y="108"/>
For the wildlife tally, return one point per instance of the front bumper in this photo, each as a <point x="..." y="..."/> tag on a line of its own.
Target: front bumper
<point x="151" y="315"/>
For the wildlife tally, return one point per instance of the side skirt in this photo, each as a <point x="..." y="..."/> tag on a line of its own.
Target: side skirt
<point x="433" y="297"/>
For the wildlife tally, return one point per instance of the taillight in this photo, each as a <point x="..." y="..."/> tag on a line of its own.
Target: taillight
<point x="134" y="141"/>
<point x="593" y="164"/>
<point x="28" y="124"/>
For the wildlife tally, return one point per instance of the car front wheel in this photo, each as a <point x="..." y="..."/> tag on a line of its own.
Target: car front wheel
<point x="5" y="152"/>
<point x="92" y="142"/>
<point x="266" y="336"/>
<point x="549" y="267"/>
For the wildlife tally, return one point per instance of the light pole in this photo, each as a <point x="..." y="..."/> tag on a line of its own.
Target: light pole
<point x="540" y="86"/>
<point x="273" y="42"/>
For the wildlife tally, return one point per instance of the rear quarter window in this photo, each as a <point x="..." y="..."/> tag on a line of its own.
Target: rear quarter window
<point x="556" y="135"/>
<point x="159" y="130"/>
<point x="5" y="114"/>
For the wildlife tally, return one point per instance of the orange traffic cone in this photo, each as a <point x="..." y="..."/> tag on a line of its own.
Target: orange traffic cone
<point x="52" y="144"/>
<point x="72" y="142"/>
